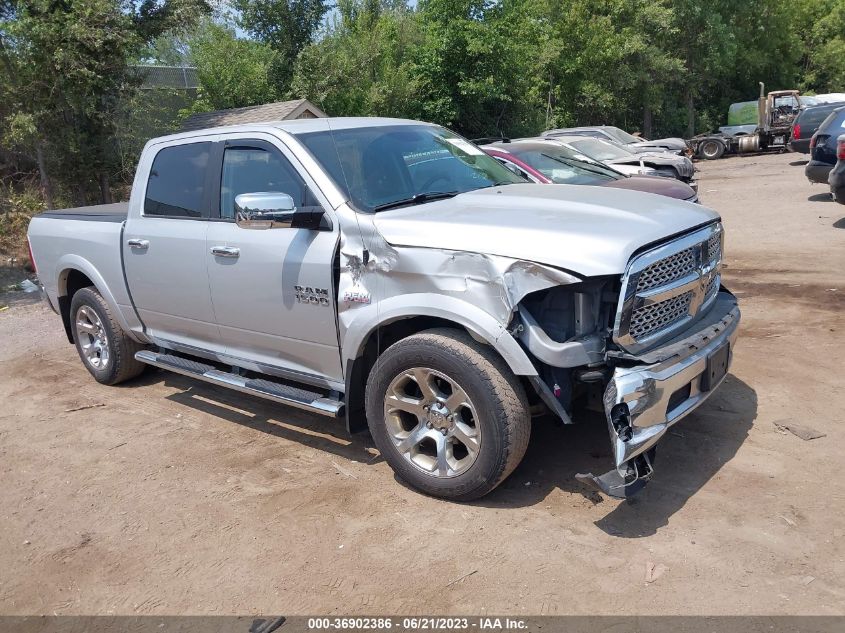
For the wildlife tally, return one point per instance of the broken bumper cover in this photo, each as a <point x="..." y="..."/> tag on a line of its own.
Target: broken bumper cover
<point x="642" y="401"/>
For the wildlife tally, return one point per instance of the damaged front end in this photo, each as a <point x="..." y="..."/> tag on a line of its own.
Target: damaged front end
<point x="647" y="394"/>
<point x="646" y="351"/>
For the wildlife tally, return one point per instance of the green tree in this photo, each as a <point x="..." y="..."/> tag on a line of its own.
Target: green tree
<point x="233" y="72"/>
<point x="69" y="64"/>
<point x="601" y="61"/>
<point x="822" y="44"/>
<point x="471" y="67"/>
<point x="286" y="26"/>
<point x="362" y="65"/>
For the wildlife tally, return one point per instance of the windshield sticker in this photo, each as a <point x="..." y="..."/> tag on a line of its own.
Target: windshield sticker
<point x="465" y="146"/>
<point x="560" y="174"/>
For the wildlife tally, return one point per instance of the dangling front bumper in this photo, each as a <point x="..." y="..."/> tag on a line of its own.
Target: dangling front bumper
<point x="649" y="393"/>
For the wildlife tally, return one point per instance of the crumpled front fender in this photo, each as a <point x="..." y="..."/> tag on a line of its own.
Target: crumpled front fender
<point x="380" y="284"/>
<point x="476" y="321"/>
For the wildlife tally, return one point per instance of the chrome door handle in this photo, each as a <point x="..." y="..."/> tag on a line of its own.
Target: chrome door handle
<point x="136" y="243"/>
<point x="225" y="251"/>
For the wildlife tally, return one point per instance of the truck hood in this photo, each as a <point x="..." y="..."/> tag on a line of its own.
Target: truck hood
<point x="586" y="230"/>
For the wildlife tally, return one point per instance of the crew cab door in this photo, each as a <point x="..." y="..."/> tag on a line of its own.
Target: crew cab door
<point x="164" y="244"/>
<point x="272" y="288"/>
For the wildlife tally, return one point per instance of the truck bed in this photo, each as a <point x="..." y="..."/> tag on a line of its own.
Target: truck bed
<point x="115" y="212"/>
<point x="86" y="240"/>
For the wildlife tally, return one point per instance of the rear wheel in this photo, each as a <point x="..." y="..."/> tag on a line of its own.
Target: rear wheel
<point x="447" y="414"/>
<point x="711" y="149"/>
<point x="105" y="349"/>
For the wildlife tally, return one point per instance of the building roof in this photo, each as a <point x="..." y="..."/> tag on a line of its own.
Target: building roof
<point x="182" y="77"/>
<point x="278" y="111"/>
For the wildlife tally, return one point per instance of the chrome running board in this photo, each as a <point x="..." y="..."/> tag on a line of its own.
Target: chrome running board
<point x="298" y="397"/>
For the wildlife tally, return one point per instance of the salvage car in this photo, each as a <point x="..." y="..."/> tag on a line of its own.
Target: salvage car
<point x="547" y="162"/>
<point x="622" y="159"/>
<point x="823" y="146"/>
<point x="808" y="122"/>
<point x="390" y="273"/>
<point x="617" y="135"/>
<point x="836" y="178"/>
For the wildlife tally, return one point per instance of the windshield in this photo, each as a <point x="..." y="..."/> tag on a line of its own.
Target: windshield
<point x="560" y="165"/>
<point x="622" y="136"/>
<point x="387" y="166"/>
<point x="598" y="149"/>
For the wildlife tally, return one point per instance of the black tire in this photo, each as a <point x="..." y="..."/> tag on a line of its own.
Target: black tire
<point x="495" y="393"/>
<point x="120" y="364"/>
<point x="711" y="149"/>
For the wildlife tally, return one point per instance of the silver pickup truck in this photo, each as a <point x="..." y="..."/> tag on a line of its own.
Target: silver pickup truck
<point x="391" y="273"/>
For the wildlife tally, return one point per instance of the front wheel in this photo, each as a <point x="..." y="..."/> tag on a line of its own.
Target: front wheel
<point x="447" y="414"/>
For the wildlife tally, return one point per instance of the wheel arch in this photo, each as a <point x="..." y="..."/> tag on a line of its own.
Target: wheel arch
<point x="73" y="273"/>
<point x="369" y="335"/>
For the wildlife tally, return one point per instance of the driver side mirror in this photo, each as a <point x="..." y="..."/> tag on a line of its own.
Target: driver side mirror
<point x="274" y="210"/>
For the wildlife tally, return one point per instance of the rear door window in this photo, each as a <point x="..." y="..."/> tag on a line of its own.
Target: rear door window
<point x="176" y="185"/>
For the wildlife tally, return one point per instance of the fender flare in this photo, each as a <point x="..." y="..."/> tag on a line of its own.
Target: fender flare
<point x="480" y="324"/>
<point x="75" y="262"/>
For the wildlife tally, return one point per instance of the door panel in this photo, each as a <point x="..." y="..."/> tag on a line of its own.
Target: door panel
<point x="259" y="313"/>
<point x="254" y="274"/>
<point x="164" y="249"/>
<point x="169" y="281"/>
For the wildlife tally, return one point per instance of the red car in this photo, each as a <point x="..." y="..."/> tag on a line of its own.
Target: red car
<point x="550" y="163"/>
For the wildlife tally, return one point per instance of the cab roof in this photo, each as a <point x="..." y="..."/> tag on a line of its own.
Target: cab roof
<point x="295" y="126"/>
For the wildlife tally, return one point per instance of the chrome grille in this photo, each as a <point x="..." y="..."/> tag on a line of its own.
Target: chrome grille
<point x="667" y="270"/>
<point x="714" y="247"/>
<point x="656" y="316"/>
<point x="665" y="288"/>
<point x="713" y="286"/>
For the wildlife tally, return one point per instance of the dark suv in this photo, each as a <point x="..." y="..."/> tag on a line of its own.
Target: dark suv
<point x="823" y="146"/>
<point x="807" y="123"/>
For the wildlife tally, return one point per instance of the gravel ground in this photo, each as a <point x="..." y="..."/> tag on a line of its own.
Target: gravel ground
<point x="168" y="496"/>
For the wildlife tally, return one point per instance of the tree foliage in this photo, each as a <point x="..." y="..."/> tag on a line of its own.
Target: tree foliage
<point x="233" y="72"/>
<point x="482" y="67"/>
<point x="822" y="43"/>
<point x="516" y="66"/>
<point x="362" y="63"/>
<point x="68" y="65"/>
<point x="286" y="26"/>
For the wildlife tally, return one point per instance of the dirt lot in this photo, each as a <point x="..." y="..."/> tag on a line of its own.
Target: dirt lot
<point x="170" y="496"/>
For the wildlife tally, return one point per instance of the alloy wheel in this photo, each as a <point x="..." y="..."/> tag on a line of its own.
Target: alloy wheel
<point x="432" y="422"/>
<point x="92" y="338"/>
